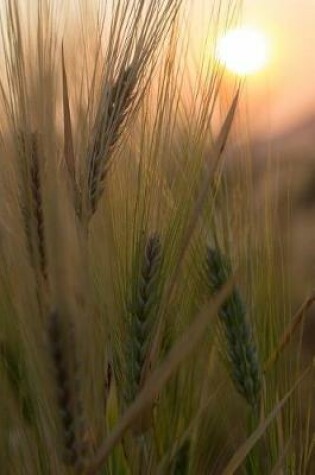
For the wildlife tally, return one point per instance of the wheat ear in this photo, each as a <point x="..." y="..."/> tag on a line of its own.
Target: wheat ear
<point x="67" y="400"/>
<point x="33" y="214"/>
<point x="38" y="206"/>
<point x="142" y="313"/>
<point x="114" y="107"/>
<point x="241" y="349"/>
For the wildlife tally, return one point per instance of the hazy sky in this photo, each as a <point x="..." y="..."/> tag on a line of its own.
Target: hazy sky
<point x="286" y="90"/>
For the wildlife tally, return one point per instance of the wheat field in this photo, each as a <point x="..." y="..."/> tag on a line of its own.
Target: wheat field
<point x="145" y="315"/>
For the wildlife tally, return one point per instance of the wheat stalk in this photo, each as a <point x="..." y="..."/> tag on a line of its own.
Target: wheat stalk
<point x="288" y="333"/>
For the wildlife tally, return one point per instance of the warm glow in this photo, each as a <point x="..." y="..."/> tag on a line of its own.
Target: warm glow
<point x="243" y="50"/>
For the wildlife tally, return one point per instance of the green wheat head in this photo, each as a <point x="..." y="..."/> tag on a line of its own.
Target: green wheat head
<point x="116" y="101"/>
<point x="142" y="314"/>
<point x="241" y="349"/>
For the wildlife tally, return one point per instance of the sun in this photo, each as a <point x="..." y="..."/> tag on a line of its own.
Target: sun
<point x="243" y="50"/>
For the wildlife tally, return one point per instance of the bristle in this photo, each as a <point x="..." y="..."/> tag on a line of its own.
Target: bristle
<point x="240" y="345"/>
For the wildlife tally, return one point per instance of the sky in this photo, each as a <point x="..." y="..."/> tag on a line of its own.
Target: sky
<point x="284" y="93"/>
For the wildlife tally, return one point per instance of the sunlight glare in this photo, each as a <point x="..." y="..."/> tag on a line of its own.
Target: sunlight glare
<point x="243" y="50"/>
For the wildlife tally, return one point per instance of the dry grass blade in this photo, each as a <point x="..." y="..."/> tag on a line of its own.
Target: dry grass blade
<point x="225" y="130"/>
<point x="240" y="454"/>
<point x="288" y="333"/>
<point x="181" y="350"/>
<point x="211" y="175"/>
<point x="68" y="139"/>
<point x="68" y="142"/>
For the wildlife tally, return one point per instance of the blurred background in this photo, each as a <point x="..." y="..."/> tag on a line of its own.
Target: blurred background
<point x="280" y="117"/>
<point x="283" y="94"/>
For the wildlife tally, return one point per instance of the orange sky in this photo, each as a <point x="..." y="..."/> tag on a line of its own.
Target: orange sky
<point x="285" y="92"/>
